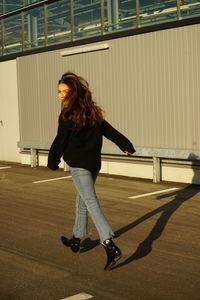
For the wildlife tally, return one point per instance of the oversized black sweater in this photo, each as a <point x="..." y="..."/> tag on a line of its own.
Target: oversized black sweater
<point x="82" y="149"/>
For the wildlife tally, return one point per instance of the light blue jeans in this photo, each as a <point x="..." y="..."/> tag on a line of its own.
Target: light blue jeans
<point x="87" y="201"/>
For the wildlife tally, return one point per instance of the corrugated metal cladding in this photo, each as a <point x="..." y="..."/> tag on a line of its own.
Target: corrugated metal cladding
<point x="148" y="85"/>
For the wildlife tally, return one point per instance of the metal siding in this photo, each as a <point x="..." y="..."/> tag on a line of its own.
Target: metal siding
<point x="50" y="68"/>
<point x="28" y="98"/>
<point x="37" y="97"/>
<point x="147" y="84"/>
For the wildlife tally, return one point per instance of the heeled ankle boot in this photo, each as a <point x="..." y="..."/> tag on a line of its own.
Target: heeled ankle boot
<point x="113" y="253"/>
<point x="73" y="243"/>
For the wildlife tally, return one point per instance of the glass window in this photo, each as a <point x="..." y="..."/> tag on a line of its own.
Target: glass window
<point x="87" y="18"/>
<point x="26" y="2"/>
<point x="154" y="11"/>
<point x="12" y="5"/>
<point x="190" y="8"/>
<point x="58" y="22"/>
<point x="12" y="34"/>
<point x="119" y="15"/>
<point x="1" y="8"/>
<point x="34" y="28"/>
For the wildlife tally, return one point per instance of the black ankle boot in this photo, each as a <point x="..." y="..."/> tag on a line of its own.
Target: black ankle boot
<point x="113" y="253"/>
<point x="73" y="243"/>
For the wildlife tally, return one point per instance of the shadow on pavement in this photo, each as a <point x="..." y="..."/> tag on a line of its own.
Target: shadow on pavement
<point x="86" y="244"/>
<point x="167" y="210"/>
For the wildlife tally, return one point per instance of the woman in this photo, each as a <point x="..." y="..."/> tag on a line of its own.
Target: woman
<point x="79" y="141"/>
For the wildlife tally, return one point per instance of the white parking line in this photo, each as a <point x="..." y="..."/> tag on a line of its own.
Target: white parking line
<point x="53" y="179"/>
<point x="81" y="296"/>
<point x="4" y="168"/>
<point x="153" y="193"/>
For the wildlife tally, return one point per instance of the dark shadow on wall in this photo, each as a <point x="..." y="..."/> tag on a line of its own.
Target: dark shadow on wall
<point x="166" y="210"/>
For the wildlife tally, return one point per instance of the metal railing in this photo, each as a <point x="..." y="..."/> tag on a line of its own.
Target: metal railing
<point x="112" y="152"/>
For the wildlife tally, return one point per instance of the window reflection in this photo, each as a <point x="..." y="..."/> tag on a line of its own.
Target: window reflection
<point x="12" y="5"/>
<point x="58" y="22"/>
<point x="34" y="28"/>
<point x="87" y="18"/>
<point x="154" y="12"/>
<point x="119" y="15"/>
<point x="1" y="7"/>
<point x="190" y="8"/>
<point x="26" y="2"/>
<point x="12" y="34"/>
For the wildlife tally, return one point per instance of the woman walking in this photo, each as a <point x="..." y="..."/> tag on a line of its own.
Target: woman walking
<point x="79" y="141"/>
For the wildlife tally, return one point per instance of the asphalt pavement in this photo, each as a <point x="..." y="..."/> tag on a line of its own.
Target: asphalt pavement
<point x="157" y="231"/>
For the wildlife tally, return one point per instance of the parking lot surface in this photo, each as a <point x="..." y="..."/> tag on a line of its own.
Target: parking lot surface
<point x="156" y="226"/>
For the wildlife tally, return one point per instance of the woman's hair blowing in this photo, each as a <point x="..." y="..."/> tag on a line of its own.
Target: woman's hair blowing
<point x="78" y="105"/>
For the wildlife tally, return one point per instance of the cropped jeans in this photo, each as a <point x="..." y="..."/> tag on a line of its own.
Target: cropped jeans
<point x="87" y="201"/>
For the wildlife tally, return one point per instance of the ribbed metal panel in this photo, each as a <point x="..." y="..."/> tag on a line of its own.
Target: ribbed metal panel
<point x="147" y="84"/>
<point x="38" y="104"/>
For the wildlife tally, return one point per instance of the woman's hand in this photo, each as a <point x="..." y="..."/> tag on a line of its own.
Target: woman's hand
<point x="128" y="153"/>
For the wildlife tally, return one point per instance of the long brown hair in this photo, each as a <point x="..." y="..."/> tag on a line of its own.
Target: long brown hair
<point x="78" y="105"/>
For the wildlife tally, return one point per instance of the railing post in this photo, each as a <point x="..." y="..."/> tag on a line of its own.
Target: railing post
<point x="34" y="158"/>
<point x="156" y="169"/>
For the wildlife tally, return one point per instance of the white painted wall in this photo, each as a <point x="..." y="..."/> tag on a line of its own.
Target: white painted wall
<point x="9" y="127"/>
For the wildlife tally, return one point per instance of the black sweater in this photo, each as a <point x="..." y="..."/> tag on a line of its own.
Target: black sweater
<point x="82" y="149"/>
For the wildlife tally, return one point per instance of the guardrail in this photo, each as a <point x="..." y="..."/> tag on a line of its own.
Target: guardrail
<point x="112" y="151"/>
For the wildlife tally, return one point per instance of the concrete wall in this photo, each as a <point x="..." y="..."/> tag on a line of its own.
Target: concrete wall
<point x="9" y="115"/>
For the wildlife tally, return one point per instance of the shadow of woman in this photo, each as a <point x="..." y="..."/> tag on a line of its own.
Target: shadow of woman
<point x="166" y="210"/>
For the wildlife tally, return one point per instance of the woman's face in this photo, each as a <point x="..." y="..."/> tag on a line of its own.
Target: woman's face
<point x="62" y="91"/>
